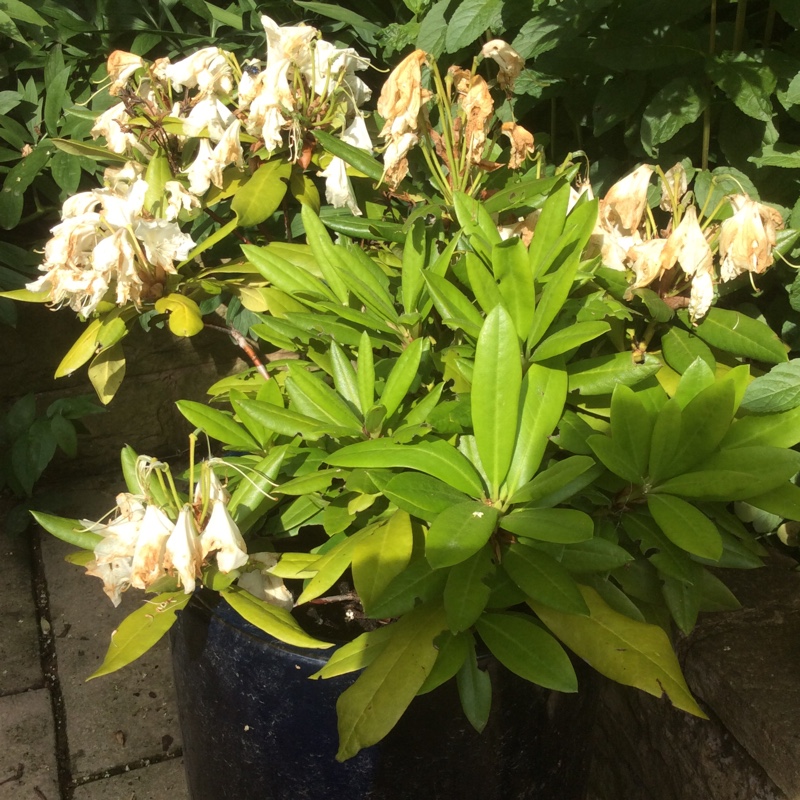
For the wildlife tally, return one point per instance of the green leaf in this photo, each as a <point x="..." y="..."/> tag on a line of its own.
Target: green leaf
<point x="453" y="650"/>
<point x="421" y="495"/>
<point x="466" y="591"/>
<point x="366" y="373"/>
<point x="414" y="256"/>
<point x="251" y="499"/>
<point x="81" y="351"/>
<point x="355" y="655"/>
<point x="543" y="579"/>
<point x="686" y="526"/>
<point x="55" y="99"/>
<point x="286" y="275"/>
<point x="344" y="377"/>
<point x="455" y="308"/>
<point x="354" y="156"/>
<point x="403" y="374"/>
<point x="774" y="430"/>
<point x="553" y="298"/>
<point x="474" y="690"/>
<point x="557" y="483"/>
<point x="381" y="557"/>
<point x="631" y="429"/>
<point x="259" y="198"/>
<point x="666" y="435"/>
<point x="289" y="423"/>
<point x="68" y="530"/>
<point x="419" y="583"/>
<point x="600" y="375"/>
<point x="106" y="372"/>
<point x="459" y="532"/>
<point x="496" y="383"/>
<point x="559" y="525"/>
<point x="217" y="424"/>
<point x="747" y="82"/>
<point x="369" y="709"/>
<point x="680" y="349"/>
<point x="569" y="339"/>
<point x="312" y="397"/>
<point x="275" y="621"/>
<point x="433" y="29"/>
<point x="511" y="266"/>
<point x="521" y="645"/>
<point x="93" y="151"/>
<point x="332" y="564"/>
<point x="677" y="104"/>
<point x="632" y="653"/>
<point x="594" y="555"/>
<point x="741" y="335"/>
<point x="737" y="474"/>
<point x="185" y="318"/>
<point x="157" y="174"/>
<point x="16" y="9"/>
<point x="778" y="390"/>
<point x="140" y="631"/>
<point x="470" y="20"/>
<point x="436" y="458"/>
<point x="667" y="558"/>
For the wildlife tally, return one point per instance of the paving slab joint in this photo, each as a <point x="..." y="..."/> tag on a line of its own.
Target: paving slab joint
<point x="124" y="769"/>
<point x="47" y="649"/>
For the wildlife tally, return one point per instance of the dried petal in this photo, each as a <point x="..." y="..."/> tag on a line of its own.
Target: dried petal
<point x="182" y="551"/>
<point x="748" y="237"/>
<point x="222" y="534"/>
<point x="261" y="584"/>
<point x="521" y="143"/>
<point x="507" y="58"/>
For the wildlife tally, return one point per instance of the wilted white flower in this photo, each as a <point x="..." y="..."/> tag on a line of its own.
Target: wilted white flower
<point x="507" y="58"/>
<point x="182" y="551"/>
<point x="112" y="125"/>
<point x="747" y="238"/>
<point x="148" y="555"/>
<point x="261" y="584"/>
<point x="211" y="115"/>
<point x="210" y="163"/>
<point x="208" y="69"/>
<point x="178" y="199"/>
<point x="222" y="534"/>
<point x="210" y="488"/>
<point x="338" y="189"/>
<point x="120" y="67"/>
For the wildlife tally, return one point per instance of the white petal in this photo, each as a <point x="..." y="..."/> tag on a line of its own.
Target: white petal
<point x="182" y="551"/>
<point x="222" y="534"/>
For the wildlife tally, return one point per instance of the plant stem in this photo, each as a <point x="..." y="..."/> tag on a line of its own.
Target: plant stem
<point x="738" y="31"/>
<point x="712" y="35"/>
<point x="246" y="345"/>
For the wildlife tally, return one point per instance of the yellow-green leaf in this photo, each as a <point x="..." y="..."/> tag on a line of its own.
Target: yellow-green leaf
<point x="185" y="318"/>
<point x="632" y="653"/>
<point x="80" y="352"/>
<point x="139" y="631"/>
<point x="107" y="371"/>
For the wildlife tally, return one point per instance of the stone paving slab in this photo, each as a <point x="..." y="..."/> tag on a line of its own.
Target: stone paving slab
<point x="20" y="665"/>
<point x="27" y="747"/>
<point x="164" y="781"/>
<point x="118" y="719"/>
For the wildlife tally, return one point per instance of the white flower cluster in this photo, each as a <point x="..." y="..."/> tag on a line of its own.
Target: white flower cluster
<point x="104" y="241"/>
<point x="142" y="545"/>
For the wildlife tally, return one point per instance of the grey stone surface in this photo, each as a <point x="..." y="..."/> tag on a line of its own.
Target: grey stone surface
<point x="116" y="719"/>
<point x="27" y="747"/>
<point x="20" y="666"/>
<point x="743" y="665"/>
<point x="164" y="781"/>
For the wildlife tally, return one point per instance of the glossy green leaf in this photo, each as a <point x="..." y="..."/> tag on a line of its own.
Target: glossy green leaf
<point x="542" y="396"/>
<point x="140" y="631"/>
<point x="106" y="372"/>
<point x="511" y="266"/>
<point x="557" y="483"/>
<point x="459" y="532"/>
<point x="558" y="525"/>
<point x="553" y="297"/>
<point x="414" y="253"/>
<point x="259" y="198"/>
<point x="470" y="20"/>
<point x="778" y="390"/>
<point x="327" y="256"/>
<point x="68" y="530"/>
<point x="290" y="423"/>
<point x="403" y="374"/>
<point x="355" y="655"/>
<point x="275" y="621"/>
<point x="614" y="459"/>
<point x="369" y="708"/>
<point x="418" y="583"/>
<point x="522" y="646"/>
<point x="285" y="275"/>
<point x="686" y="526"/>
<point x="683" y="603"/>
<point x="311" y="396"/>
<point x="784" y="501"/>
<point x="632" y="653"/>
<point x="497" y="379"/>
<point x="87" y="150"/>
<point x="474" y="691"/>
<point x="421" y="495"/>
<point x="217" y="424"/>
<point x="680" y="348"/>
<point x="453" y="305"/>
<point x="332" y="564"/>
<point x="355" y="156"/>
<point x="601" y="374"/>
<point x="366" y="373"/>
<point x="736" y="474"/>
<point x="697" y="377"/>
<point x="746" y="80"/>
<point x="775" y="430"/>
<point x="252" y="497"/>
<point x="381" y="556"/>
<point x="436" y="458"/>
<point x="344" y="377"/>
<point x="543" y="579"/>
<point x="631" y="429"/>
<point x="466" y="591"/>
<point x="677" y="103"/>
<point x="482" y="283"/>
<point x="568" y="339"/>
<point x="594" y="555"/>
<point x="741" y="335"/>
<point x="666" y="435"/>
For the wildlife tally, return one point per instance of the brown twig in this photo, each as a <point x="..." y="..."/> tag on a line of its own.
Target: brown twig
<point x="245" y="344"/>
<point x="218" y="219"/>
<point x="20" y="771"/>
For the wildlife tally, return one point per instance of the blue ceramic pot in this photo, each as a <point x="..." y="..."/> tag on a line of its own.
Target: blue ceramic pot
<point x="255" y="728"/>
